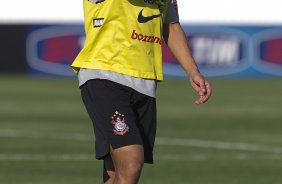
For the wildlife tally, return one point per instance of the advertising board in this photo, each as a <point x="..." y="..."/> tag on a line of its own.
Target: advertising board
<point x="220" y="51"/>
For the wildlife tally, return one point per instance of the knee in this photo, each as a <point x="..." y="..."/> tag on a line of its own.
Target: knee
<point x="134" y="168"/>
<point x="129" y="170"/>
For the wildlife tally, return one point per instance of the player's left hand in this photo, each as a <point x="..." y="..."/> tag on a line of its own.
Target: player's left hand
<point x="201" y="86"/>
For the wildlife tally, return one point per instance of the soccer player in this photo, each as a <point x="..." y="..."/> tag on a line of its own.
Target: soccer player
<point x="118" y="70"/>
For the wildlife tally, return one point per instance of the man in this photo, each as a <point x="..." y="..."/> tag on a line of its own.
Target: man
<point x="118" y="69"/>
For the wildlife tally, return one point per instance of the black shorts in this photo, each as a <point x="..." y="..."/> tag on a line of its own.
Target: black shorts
<point x="121" y="116"/>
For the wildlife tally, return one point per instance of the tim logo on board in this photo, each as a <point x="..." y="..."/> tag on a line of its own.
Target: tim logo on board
<point x="52" y="49"/>
<point x="268" y="51"/>
<point x="218" y="51"/>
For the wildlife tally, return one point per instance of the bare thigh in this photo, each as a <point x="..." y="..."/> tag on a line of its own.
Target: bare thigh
<point x="128" y="162"/>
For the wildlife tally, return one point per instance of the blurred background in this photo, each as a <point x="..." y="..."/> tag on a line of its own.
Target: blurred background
<point x="236" y="138"/>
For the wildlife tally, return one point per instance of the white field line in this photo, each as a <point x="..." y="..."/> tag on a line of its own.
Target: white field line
<point x="166" y="157"/>
<point x="160" y="141"/>
<point x="42" y="157"/>
<point x="35" y="135"/>
<point x="219" y="145"/>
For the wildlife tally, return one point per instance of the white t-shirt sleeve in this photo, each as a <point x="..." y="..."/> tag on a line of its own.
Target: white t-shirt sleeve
<point x="172" y="13"/>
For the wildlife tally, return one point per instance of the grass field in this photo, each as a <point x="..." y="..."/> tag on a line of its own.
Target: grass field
<point x="236" y="138"/>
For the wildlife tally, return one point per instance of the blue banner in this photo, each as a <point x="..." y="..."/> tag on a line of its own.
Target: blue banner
<point x="50" y="49"/>
<point x="220" y="51"/>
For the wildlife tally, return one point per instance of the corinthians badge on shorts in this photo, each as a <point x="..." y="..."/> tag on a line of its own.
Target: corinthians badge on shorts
<point x="119" y="121"/>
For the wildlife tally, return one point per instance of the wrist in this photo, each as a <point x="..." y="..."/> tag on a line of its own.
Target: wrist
<point x="193" y="72"/>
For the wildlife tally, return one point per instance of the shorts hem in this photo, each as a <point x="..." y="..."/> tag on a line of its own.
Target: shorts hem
<point x="101" y="156"/>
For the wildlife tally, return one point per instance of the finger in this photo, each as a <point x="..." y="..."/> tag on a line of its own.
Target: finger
<point x="199" y="86"/>
<point x="203" y="89"/>
<point x="203" y="98"/>
<point x="208" y="89"/>
<point x="195" y="86"/>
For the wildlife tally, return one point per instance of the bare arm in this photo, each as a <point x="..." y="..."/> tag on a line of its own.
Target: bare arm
<point x="177" y="42"/>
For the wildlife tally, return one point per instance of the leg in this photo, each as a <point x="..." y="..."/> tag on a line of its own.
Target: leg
<point x="109" y="170"/>
<point x="114" y="120"/>
<point x="128" y="162"/>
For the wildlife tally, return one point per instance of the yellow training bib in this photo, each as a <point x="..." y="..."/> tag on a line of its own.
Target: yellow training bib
<point x="123" y="36"/>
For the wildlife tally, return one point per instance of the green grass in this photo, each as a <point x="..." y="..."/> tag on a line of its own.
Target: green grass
<point x="46" y="136"/>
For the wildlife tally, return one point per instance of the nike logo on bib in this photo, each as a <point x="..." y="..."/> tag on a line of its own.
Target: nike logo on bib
<point x="142" y="19"/>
